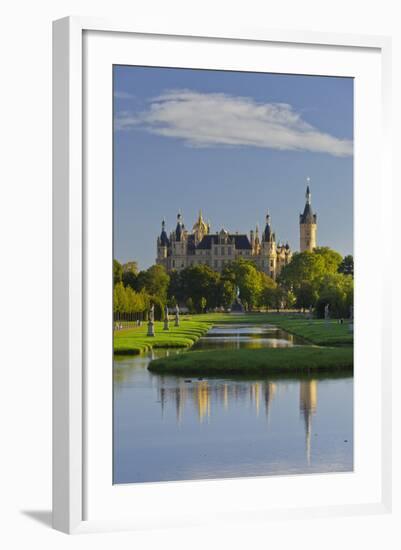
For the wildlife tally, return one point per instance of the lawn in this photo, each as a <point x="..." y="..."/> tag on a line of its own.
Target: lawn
<point x="307" y="360"/>
<point x="134" y="341"/>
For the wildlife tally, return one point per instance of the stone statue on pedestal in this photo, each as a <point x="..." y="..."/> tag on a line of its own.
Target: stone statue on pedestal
<point x="326" y="313"/>
<point x="166" y="325"/>
<point x="236" y="306"/>
<point x="151" y="322"/>
<point x="177" y="316"/>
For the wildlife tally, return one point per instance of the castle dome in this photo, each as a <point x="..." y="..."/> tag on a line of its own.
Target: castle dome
<point x="200" y="226"/>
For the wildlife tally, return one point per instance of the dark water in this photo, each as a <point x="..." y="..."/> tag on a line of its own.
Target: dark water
<point x="169" y="428"/>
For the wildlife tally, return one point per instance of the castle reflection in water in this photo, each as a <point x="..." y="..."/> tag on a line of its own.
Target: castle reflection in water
<point x="201" y="396"/>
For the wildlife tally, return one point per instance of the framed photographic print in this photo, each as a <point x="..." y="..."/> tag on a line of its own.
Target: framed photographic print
<point x="217" y="354"/>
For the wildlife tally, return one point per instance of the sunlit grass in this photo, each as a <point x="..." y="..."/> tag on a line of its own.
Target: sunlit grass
<point x="134" y="341"/>
<point x="293" y="360"/>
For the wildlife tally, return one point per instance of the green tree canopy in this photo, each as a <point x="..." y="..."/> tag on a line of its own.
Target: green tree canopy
<point x="268" y="292"/>
<point x="130" y="274"/>
<point x="332" y="259"/>
<point x="347" y="265"/>
<point x="130" y="267"/>
<point x="155" y="281"/>
<point x="197" y="282"/>
<point x="117" y="272"/>
<point x="336" y="290"/>
<point x="244" y="275"/>
<point x="304" y="275"/>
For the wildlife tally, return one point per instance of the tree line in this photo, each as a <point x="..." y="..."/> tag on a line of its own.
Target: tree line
<point x="311" y="279"/>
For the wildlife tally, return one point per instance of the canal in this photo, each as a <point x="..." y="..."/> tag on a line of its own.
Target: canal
<point x="173" y="428"/>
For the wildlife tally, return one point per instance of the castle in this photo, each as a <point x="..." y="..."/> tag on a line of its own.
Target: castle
<point x="185" y="248"/>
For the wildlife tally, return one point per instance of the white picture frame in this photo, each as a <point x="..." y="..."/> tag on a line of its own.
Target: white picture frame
<point x="71" y="308"/>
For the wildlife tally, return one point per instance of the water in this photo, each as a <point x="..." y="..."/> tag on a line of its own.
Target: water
<point x="245" y="336"/>
<point x="169" y="428"/>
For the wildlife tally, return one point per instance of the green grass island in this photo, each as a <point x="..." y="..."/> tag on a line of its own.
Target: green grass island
<point x="328" y="346"/>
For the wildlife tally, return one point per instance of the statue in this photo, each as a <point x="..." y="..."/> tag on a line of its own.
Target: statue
<point x="326" y="313"/>
<point x="151" y="323"/>
<point x="166" y="325"/>
<point x="236" y="306"/>
<point x="177" y="316"/>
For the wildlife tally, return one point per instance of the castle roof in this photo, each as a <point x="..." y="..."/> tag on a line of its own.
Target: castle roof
<point x="163" y="238"/>
<point x="241" y="242"/>
<point x="267" y="232"/>
<point x="307" y="216"/>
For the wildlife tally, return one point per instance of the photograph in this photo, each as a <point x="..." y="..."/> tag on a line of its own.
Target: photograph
<point x="233" y="274"/>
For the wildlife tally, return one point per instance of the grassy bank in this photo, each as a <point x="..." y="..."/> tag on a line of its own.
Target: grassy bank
<point x="316" y="331"/>
<point x="135" y="341"/>
<point x="261" y="361"/>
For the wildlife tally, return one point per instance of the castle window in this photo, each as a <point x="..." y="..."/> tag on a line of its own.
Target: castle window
<point x="173" y="263"/>
<point x="222" y="251"/>
<point x="229" y="250"/>
<point x="216" y="263"/>
<point x="271" y="263"/>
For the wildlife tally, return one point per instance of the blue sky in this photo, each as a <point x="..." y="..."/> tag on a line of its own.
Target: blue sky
<point x="234" y="145"/>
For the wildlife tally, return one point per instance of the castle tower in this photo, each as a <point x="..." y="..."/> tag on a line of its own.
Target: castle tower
<point x="256" y="242"/>
<point x="162" y="243"/>
<point x="307" y="225"/>
<point x="268" y="250"/>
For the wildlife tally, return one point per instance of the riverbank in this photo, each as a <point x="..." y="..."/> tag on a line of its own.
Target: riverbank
<point x="315" y="331"/>
<point x="293" y="360"/>
<point x="134" y="341"/>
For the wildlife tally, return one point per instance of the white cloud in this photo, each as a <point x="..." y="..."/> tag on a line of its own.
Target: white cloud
<point x="210" y="120"/>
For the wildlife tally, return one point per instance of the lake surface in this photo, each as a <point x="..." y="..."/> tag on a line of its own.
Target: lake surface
<point x="173" y="428"/>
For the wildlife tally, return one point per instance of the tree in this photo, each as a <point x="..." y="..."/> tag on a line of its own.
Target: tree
<point x="267" y="297"/>
<point x="117" y="272"/>
<point x="155" y="281"/>
<point x="130" y="274"/>
<point x="347" y="265"/>
<point x="243" y="273"/>
<point x="336" y="290"/>
<point x="226" y="293"/>
<point x="203" y="303"/>
<point x="130" y="267"/>
<point x="190" y="305"/>
<point x="331" y="258"/>
<point x="172" y="302"/>
<point x="120" y="301"/>
<point x="304" y="274"/>
<point x="197" y="282"/>
<point x="175" y="288"/>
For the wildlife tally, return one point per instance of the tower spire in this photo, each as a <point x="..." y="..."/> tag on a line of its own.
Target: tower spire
<point x="308" y="194"/>
<point x="267" y="234"/>
<point x="308" y="223"/>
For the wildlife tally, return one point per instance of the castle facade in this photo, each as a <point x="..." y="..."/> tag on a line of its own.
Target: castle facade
<point x="183" y="248"/>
